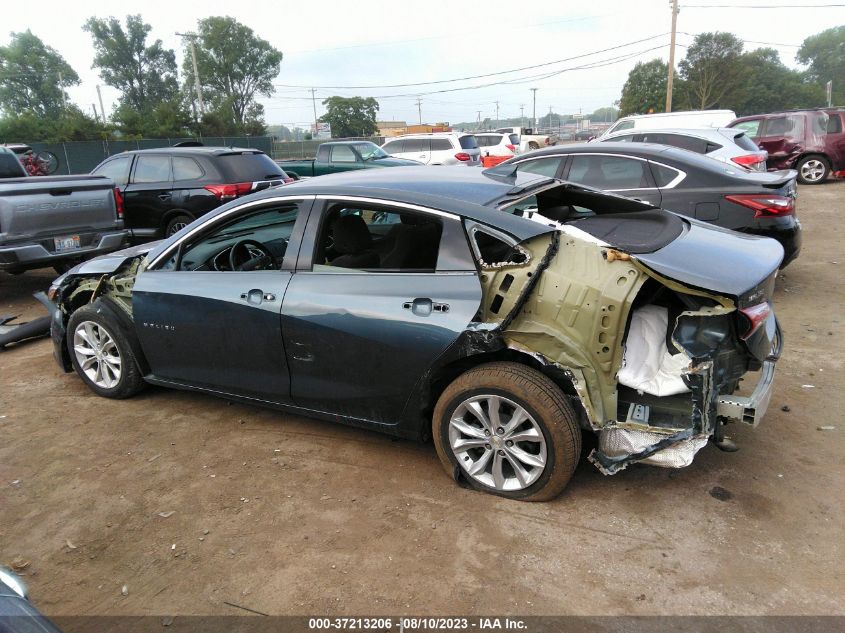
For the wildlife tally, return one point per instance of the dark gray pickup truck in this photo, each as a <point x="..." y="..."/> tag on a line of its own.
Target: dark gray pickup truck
<point x="56" y="221"/>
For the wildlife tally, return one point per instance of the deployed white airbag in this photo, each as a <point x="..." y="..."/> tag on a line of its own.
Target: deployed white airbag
<point x="647" y="365"/>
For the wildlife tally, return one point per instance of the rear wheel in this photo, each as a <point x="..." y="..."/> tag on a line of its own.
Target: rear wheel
<point x="813" y="170"/>
<point x="101" y="354"/>
<point x="177" y="223"/>
<point x="509" y="430"/>
<point x="533" y="145"/>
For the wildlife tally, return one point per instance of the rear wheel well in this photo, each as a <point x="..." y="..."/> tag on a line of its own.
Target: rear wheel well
<point x="445" y="375"/>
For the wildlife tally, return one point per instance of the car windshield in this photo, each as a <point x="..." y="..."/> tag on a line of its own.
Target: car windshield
<point x="370" y="151"/>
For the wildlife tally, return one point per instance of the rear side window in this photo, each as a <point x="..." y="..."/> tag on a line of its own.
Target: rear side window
<point x="440" y="145"/>
<point x="691" y="143"/>
<point x="248" y="167"/>
<point x="752" y="128"/>
<point x="323" y="154"/>
<point x="834" y="124"/>
<point x="746" y="143"/>
<point x="625" y="138"/>
<point x="152" y="169"/>
<point x="117" y="169"/>
<point x="485" y="141"/>
<point x="394" y="147"/>
<point x="186" y="168"/>
<point x="468" y="142"/>
<point x="609" y="172"/>
<point x="663" y="175"/>
<point x="514" y="139"/>
<point x="9" y="166"/>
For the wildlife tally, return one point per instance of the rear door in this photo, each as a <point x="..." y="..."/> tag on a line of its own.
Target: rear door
<point x="148" y="196"/>
<point x="203" y="324"/>
<point x="359" y="340"/>
<point x="419" y="149"/>
<point x="782" y="137"/>
<point x="625" y="175"/>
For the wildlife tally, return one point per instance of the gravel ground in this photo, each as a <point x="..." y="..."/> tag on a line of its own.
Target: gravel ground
<point x="288" y="515"/>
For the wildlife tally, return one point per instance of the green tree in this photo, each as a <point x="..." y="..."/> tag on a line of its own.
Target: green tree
<point x="145" y="74"/>
<point x="235" y="66"/>
<point x="645" y="89"/>
<point x="73" y="125"/>
<point x="608" y="114"/>
<point x="711" y="70"/>
<point x="824" y="53"/>
<point x="33" y="77"/>
<point x="351" y="116"/>
<point x="768" y="86"/>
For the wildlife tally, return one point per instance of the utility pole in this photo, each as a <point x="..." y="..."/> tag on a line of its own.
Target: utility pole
<point x="521" y="115"/>
<point x="314" y="103"/>
<point x="419" y="108"/>
<point x="197" y="82"/>
<point x="94" y="108"/>
<point x="671" y="76"/>
<point x="497" y="114"/>
<point x="478" y="123"/>
<point x="100" y="97"/>
<point x="534" y="90"/>
<point x="550" y="118"/>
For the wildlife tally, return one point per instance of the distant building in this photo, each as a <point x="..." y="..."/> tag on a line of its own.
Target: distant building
<point x="391" y="128"/>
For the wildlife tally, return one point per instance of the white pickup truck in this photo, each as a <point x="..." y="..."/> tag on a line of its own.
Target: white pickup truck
<point x="529" y="141"/>
<point x="55" y="220"/>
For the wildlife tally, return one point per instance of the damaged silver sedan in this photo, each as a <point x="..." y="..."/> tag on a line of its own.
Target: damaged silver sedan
<point x="500" y="314"/>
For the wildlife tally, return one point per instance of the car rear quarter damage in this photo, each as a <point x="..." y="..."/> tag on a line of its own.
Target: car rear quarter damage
<point x="682" y="355"/>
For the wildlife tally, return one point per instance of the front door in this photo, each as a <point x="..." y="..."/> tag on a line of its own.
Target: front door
<point x="209" y="316"/>
<point x="366" y="315"/>
<point x="148" y="196"/>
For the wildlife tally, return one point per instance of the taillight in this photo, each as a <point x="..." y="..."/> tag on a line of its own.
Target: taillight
<point x="118" y="202"/>
<point x="764" y="206"/>
<point x="463" y="156"/>
<point x="749" y="161"/>
<point x="756" y="316"/>
<point x="230" y="192"/>
<point x="547" y="141"/>
<point x="511" y="147"/>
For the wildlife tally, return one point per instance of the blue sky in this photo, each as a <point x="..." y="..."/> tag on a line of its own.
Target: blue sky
<point x="372" y="42"/>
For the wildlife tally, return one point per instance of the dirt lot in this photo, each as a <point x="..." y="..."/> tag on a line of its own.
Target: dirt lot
<point x="287" y="515"/>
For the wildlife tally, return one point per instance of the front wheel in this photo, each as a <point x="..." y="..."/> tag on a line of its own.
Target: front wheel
<point x="813" y="170"/>
<point x="101" y="353"/>
<point x="509" y="430"/>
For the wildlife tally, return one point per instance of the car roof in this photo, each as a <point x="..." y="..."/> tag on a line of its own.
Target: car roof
<point x="346" y="142"/>
<point x="430" y="134"/>
<point x="700" y="132"/>
<point x="216" y="151"/>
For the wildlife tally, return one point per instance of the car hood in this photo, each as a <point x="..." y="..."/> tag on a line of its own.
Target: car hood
<point x="392" y="161"/>
<point x="112" y="261"/>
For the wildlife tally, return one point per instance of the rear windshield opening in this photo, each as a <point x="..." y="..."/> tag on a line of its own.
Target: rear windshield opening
<point x="468" y="142"/>
<point x="249" y="167"/>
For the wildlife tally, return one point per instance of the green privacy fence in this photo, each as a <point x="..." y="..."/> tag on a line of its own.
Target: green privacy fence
<point x="80" y="157"/>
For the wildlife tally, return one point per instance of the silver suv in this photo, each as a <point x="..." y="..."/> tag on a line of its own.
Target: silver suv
<point x="437" y="148"/>
<point x="728" y="145"/>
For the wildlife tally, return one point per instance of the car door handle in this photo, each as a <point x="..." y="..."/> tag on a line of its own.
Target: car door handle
<point x="257" y="297"/>
<point x="164" y="197"/>
<point x="424" y="307"/>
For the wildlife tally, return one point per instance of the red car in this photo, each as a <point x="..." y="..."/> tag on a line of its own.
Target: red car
<point x="810" y="141"/>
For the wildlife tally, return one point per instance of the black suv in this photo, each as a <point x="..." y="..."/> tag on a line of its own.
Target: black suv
<point x="165" y="189"/>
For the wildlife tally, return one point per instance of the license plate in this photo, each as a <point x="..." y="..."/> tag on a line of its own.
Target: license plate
<point x="66" y="243"/>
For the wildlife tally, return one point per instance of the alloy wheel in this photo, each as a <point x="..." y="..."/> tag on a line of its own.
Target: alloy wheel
<point x="497" y="442"/>
<point x="97" y="354"/>
<point x="812" y="170"/>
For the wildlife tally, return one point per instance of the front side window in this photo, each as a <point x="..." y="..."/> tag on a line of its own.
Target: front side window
<point x="608" y="172"/>
<point x="377" y="239"/>
<point x="152" y="169"/>
<point x="116" y="169"/>
<point x="543" y="166"/>
<point x="395" y="147"/>
<point x="622" y="125"/>
<point x="369" y="151"/>
<point x="256" y="241"/>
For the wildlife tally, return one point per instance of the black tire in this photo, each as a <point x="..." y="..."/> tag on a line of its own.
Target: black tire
<point x="541" y="398"/>
<point x="177" y="223"/>
<point x="532" y="145"/>
<point x="813" y="169"/>
<point x="129" y="381"/>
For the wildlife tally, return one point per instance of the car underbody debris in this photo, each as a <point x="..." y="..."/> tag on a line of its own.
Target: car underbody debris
<point x="11" y="333"/>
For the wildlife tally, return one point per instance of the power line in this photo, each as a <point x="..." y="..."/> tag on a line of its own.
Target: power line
<point x="502" y="72"/>
<point x="761" y="6"/>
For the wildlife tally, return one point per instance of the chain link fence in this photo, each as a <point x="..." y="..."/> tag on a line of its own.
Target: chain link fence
<point x="80" y="157"/>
